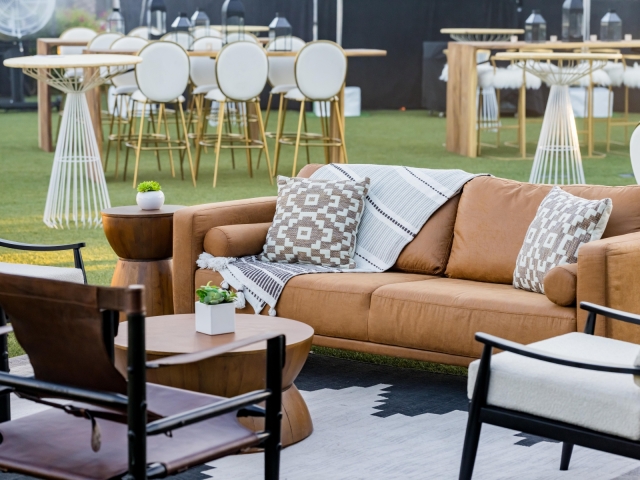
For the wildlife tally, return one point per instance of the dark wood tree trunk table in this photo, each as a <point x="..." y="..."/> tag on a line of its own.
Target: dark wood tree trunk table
<point x="143" y="241"/>
<point x="231" y="374"/>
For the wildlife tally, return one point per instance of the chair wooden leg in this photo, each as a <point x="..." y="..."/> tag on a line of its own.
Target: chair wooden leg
<point x="567" y="450"/>
<point x="131" y="126"/>
<point x="323" y="126"/>
<point x="120" y="100"/>
<point x="163" y="107"/>
<point x="306" y="130"/>
<point x="266" y="123"/>
<point x="219" y="142"/>
<point x="156" y="130"/>
<point x="182" y="152"/>
<point x="200" y="130"/>
<point x="247" y="141"/>
<point x="188" y="147"/>
<point x="609" y="118"/>
<point x="139" y="145"/>
<point x="295" y="154"/>
<point x="113" y="117"/>
<point x="343" y="142"/>
<point x="282" y="111"/>
<point x="265" y="147"/>
<point x="230" y="131"/>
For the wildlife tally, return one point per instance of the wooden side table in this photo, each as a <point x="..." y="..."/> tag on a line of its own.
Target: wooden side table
<point x="143" y="241"/>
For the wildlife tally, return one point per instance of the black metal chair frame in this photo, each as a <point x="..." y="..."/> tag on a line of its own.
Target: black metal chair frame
<point x="136" y="405"/>
<point x="5" y="404"/>
<point x="569" y="435"/>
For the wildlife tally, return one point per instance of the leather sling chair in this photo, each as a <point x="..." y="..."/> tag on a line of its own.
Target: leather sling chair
<point x="108" y="426"/>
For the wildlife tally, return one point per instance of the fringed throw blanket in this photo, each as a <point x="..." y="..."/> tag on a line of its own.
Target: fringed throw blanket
<point x="399" y="203"/>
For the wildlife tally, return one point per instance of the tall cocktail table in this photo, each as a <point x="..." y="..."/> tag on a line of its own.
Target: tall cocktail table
<point x="235" y="373"/>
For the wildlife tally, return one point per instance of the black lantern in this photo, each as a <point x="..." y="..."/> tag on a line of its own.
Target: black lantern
<point x="157" y="19"/>
<point x="200" y="20"/>
<point x="181" y="23"/>
<point x="572" y="18"/>
<point x="611" y="27"/>
<point x="232" y="19"/>
<point x="115" y="21"/>
<point x="280" y="29"/>
<point x="535" y="28"/>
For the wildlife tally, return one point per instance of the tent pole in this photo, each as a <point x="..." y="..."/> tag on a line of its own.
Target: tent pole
<point x="339" y="12"/>
<point x="586" y="21"/>
<point x="315" y="20"/>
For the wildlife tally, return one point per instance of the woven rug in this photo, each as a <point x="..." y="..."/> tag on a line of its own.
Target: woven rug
<point x="379" y="423"/>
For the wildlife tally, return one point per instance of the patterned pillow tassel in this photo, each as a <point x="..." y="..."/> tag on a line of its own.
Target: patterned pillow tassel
<point x="240" y="300"/>
<point x="208" y="261"/>
<point x="272" y="312"/>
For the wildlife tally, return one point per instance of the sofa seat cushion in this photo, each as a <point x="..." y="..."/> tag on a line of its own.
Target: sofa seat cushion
<point x="601" y="401"/>
<point x="334" y="304"/>
<point x="443" y="315"/>
<point x="494" y="215"/>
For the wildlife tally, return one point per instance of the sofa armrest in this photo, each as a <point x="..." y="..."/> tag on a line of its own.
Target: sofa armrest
<point x="190" y="225"/>
<point x="609" y="275"/>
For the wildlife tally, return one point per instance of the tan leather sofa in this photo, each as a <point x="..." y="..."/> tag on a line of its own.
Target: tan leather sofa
<point x="452" y="280"/>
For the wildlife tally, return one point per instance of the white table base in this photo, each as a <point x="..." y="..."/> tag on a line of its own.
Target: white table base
<point x="77" y="189"/>
<point x="558" y="160"/>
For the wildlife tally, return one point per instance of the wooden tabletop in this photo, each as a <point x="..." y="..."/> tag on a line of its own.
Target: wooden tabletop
<point x="136" y="211"/>
<point x="71" y="61"/>
<point x="482" y="31"/>
<point x="541" y="56"/>
<point x="174" y="334"/>
<point x="554" y="45"/>
<point x="63" y="42"/>
<point x="350" y="52"/>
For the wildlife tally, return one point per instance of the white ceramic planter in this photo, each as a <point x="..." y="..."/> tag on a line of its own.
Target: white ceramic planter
<point x="150" y="200"/>
<point x="215" y="319"/>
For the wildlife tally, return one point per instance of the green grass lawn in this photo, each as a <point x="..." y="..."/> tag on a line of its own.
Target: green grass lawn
<point x="411" y="138"/>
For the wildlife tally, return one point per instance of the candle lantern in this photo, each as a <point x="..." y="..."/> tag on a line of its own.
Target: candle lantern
<point x="280" y="29"/>
<point x="572" y="18"/>
<point x="157" y="19"/>
<point x="115" y="21"/>
<point x="232" y="19"/>
<point x="611" y="27"/>
<point x="181" y="25"/>
<point x="535" y="28"/>
<point x="200" y="24"/>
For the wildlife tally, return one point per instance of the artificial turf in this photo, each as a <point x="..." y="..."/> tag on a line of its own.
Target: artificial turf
<point x="412" y="138"/>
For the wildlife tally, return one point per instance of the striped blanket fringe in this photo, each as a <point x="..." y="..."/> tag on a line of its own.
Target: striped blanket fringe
<point x="389" y="222"/>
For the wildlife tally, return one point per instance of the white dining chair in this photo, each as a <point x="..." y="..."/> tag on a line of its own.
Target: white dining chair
<point x="320" y="71"/>
<point x="202" y="31"/>
<point x="241" y="73"/>
<point x="169" y="62"/>
<point x="142" y="32"/>
<point x="242" y="37"/>
<point x="282" y="79"/>
<point x="634" y="150"/>
<point x="120" y="97"/>
<point x="184" y="39"/>
<point x="103" y="41"/>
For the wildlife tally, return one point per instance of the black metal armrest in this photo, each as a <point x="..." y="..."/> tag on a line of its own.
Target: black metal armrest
<point x="210" y="352"/>
<point x="40" y="248"/>
<point x="527" y="351"/>
<point x="594" y="310"/>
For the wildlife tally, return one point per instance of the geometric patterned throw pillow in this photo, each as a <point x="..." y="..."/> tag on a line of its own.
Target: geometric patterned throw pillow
<point x="316" y="222"/>
<point x="562" y="224"/>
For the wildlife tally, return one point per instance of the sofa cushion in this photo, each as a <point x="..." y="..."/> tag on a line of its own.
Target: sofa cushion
<point x="236" y="240"/>
<point x="601" y="401"/>
<point x="334" y="304"/>
<point x="428" y="253"/>
<point x="561" y="284"/>
<point x="443" y="315"/>
<point x="494" y="215"/>
<point x="563" y="223"/>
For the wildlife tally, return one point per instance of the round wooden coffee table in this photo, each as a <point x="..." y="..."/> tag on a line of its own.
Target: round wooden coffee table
<point x="231" y="374"/>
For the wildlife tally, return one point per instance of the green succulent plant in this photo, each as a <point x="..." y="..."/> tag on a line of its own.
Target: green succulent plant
<point x="214" y="295"/>
<point x="149" y="187"/>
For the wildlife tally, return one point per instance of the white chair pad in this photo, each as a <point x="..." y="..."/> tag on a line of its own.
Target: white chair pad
<point x="600" y="401"/>
<point x="138" y="96"/>
<point x="125" y="90"/>
<point x="615" y="72"/>
<point x="282" y="89"/>
<point x="203" y="89"/>
<point x="216" y="95"/>
<point x="52" y="273"/>
<point x="508" y="78"/>
<point x="296" y="95"/>
<point x="631" y="76"/>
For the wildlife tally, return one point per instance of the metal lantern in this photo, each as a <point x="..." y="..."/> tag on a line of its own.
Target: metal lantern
<point x="115" y="21"/>
<point x="572" y="18"/>
<point x="232" y="19"/>
<point x="611" y="27"/>
<point x="181" y="23"/>
<point x="200" y="20"/>
<point x="535" y="28"/>
<point x="280" y="28"/>
<point x="157" y="21"/>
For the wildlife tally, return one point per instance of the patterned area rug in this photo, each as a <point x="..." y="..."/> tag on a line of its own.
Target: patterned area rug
<point x="377" y="422"/>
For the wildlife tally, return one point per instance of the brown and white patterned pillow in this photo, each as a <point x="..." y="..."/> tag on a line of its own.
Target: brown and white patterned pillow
<point x="562" y="224"/>
<point x="316" y="222"/>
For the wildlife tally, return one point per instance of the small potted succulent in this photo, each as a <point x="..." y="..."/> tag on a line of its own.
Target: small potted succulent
<point x="150" y="196"/>
<point x="215" y="310"/>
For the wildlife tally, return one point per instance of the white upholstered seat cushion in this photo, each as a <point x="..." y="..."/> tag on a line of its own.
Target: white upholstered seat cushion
<point x="282" y="89"/>
<point x="52" y="273"/>
<point x="615" y="70"/>
<point x="138" y="96"/>
<point x="631" y="76"/>
<point x="216" y="95"/>
<point x="204" y="89"/>
<point x="600" y="401"/>
<point x="125" y="90"/>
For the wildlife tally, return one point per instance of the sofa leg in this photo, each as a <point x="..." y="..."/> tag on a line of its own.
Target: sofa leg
<point x="567" y="450"/>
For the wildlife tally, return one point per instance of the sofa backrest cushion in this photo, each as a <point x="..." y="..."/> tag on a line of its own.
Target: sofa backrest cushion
<point x="494" y="215"/>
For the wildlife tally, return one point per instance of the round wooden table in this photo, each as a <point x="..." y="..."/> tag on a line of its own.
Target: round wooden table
<point x="143" y="241"/>
<point x="231" y="374"/>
